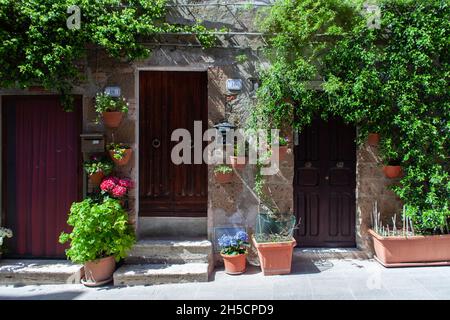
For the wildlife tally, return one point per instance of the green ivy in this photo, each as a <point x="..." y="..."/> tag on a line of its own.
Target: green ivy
<point x="39" y="49"/>
<point x="393" y="81"/>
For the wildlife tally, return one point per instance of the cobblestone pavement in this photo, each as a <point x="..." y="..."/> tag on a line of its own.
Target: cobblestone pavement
<point x="348" y="279"/>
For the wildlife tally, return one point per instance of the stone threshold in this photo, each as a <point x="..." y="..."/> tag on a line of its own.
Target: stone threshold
<point x="35" y="272"/>
<point x="331" y="253"/>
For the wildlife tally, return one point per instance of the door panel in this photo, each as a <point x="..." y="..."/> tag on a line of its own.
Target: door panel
<point x="324" y="184"/>
<point x="170" y="101"/>
<point x="43" y="177"/>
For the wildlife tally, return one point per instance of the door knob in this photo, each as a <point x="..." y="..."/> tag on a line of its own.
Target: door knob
<point x="156" y="143"/>
<point x="327" y="178"/>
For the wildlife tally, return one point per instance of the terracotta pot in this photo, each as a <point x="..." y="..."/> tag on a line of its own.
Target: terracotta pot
<point x="124" y="161"/>
<point x="96" y="178"/>
<point x="238" y="162"/>
<point x="223" y="177"/>
<point x="112" y="119"/>
<point x="401" y="251"/>
<point x="282" y="153"/>
<point x="373" y="139"/>
<point x="392" y="172"/>
<point x="99" y="271"/>
<point x="234" y="264"/>
<point x="275" y="257"/>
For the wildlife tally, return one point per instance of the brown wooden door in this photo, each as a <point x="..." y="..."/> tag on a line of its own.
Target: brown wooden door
<point x="43" y="177"/>
<point x="169" y="101"/>
<point x="324" y="184"/>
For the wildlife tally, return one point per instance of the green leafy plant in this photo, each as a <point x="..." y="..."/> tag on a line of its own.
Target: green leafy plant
<point x="223" y="168"/>
<point x="118" y="150"/>
<point x="4" y="233"/>
<point x="98" y="164"/>
<point x="392" y="80"/>
<point x="99" y="230"/>
<point x="241" y="58"/>
<point x="106" y="103"/>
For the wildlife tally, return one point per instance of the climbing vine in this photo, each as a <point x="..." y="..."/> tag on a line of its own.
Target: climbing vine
<point x="38" y="48"/>
<point x="394" y="80"/>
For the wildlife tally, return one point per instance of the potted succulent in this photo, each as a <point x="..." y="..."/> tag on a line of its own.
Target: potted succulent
<point x="237" y="160"/>
<point x="223" y="173"/>
<point x="112" y="109"/>
<point x="120" y="153"/>
<point x="4" y="233"/>
<point x="411" y="244"/>
<point x="101" y="236"/>
<point x="274" y="240"/>
<point x="234" y="252"/>
<point x="97" y="168"/>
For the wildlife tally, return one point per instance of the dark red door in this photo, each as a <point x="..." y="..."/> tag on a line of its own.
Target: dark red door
<point x="324" y="184"/>
<point x="169" y="101"/>
<point x="43" y="172"/>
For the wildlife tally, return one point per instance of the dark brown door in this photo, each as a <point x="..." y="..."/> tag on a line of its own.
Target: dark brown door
<point x="169" y="101"/>
<point x="324" y="184"/>
<point x="42" y="166"/>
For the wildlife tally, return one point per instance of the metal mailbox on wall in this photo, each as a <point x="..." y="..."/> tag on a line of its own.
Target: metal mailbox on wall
<point x="92" y="142"/>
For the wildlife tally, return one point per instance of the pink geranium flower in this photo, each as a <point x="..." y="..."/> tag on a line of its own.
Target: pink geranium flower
<point x="116" y="187"/>
<point x="119" y="191"/>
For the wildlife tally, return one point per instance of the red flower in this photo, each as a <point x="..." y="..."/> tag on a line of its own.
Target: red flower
<point x="126" y="182"/>
<point x="107" y="184"/>
<point x="119" y="191"/>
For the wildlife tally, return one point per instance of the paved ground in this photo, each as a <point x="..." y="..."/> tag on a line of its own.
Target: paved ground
<point x="321" y="279"/>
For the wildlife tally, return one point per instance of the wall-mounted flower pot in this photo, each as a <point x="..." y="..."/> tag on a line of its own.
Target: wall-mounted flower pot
<point x="234" y="264"/>
<point x="112" y="119"/>
<point x="96" y="178"/>
<point x="223" y="177"/>
<point x="373" y="139"/>
<point x="392" y="172"/>
<point x="124" y="161"/>
<point x="99" y="272"/>
<point x="275" y="257"/>
<point x="401" y="251"/>
<point x="238" y="162"/>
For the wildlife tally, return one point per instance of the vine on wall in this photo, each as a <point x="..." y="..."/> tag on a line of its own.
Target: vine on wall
<point x="392" y="80"/>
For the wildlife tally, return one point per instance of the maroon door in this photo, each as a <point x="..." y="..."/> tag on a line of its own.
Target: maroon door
<point x="169" y="101"/>
<point x="42" y="163"/>
<point x="324" y="185"/>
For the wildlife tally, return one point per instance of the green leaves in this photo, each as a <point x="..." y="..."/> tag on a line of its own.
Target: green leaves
<point x="99" y="230"/>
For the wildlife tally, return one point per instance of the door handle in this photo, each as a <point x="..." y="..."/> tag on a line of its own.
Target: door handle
<point x="327" y="178"/>
<point x="156" y="143"/>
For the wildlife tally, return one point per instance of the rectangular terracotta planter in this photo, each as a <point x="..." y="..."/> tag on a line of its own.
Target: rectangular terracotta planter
<point x="411" y="251"/>
<point x="275" y="257"/>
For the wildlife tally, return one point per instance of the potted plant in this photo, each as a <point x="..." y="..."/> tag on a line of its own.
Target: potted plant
<point x="274" y="240"/>
<point x="112" y="109"/>
<point x="223" y="173"/>
<point x="373" y="139"/>
<point x="116" y="188"/>
<point x="237" y="160"/>
<point x="412" y="243"/>
<point x="4" y="233"/>
<point x="282" y="148"/>
<point x="234" y="252"/>
<point x="120" y="153"/>
<point x="101" y="236"/>
<point x="97" y="168"/>
<point x="392" y="169"/>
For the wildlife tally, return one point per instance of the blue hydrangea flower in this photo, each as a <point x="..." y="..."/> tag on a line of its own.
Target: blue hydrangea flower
<point x="225" y="241"/>
<point x="233" y="242"/>
<point x="241" y="235"/>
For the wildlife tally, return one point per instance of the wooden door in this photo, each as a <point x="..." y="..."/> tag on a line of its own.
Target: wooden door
<point x="169" y="101"/>
<point x="42" y="172"/>
<point x="324" y="184"/>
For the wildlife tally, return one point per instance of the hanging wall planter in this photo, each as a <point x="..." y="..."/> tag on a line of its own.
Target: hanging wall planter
<point x="373" y="139"/>
<point x="112" y="119"/>
<point x="223" y="174"/>
<point x="238" y="162"/>
<point x="111" y="108"/>
<point x="120" y="153"/>
<point x="96" y="178"/>
<point x="392" y="172"/>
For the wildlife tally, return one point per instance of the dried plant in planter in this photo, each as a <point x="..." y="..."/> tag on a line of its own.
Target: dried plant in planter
<point x="406" y="229"/>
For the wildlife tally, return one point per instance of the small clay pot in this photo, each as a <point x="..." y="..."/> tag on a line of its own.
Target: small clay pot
<point x="235" y="264"/>
<point x="373" y="139"/>
<point x="124" y="161"/>
<point x="112" y="119"/>
<point x="223" y="177"/>
<point x="392" y="172"/>
<point x="96" y="178"/>
<point x="238" y="162"/>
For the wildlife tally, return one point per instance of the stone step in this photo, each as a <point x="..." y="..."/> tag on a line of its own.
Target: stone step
<point x="157" y="251"/>
<point x="330" y="253"/>
<point x="32" y="272"/>
<point x="153" y="274"/>
<point x="172" y="227"/>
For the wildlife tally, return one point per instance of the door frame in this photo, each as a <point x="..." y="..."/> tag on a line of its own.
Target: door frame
<point x="137" y="130"/>
<point x="3" y="142"/>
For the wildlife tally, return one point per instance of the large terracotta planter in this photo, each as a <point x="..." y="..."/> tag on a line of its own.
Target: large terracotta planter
<point x="414" y="250"/>
<point x="234" y="264"/>
<point x="373" y="139"/>
<point x="223" y="177"/>
<point x="112" y="119"/>
<point x="238" y="162"/>
<point x="392" y="172"/>
<point x="96" y="178"/>
<point x="275" y="257"/>
<point x="124" y="161"/>
<point x="99" y="272"/>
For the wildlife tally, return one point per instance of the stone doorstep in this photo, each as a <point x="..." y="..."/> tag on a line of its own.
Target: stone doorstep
<point x="153" y="274"/>
<point x="32" y="272"/>
<point x="330" y="253"/>
<point x="156" y="251"/>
